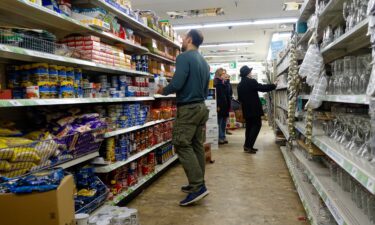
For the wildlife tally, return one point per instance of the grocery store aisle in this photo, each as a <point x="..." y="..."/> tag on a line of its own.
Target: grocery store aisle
<point x="245" y="190"/>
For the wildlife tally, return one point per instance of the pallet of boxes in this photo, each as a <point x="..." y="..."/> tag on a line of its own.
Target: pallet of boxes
<point x="212" y="130"/>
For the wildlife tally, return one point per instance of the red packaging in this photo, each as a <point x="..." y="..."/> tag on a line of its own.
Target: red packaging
<point x="78" y="38"/>
<point x="6" y="94"/>
<point x="91" y="38"/>
<point x="71" y="44"/>
<point x="79" y="43"/>
<point x="90" y="43"/>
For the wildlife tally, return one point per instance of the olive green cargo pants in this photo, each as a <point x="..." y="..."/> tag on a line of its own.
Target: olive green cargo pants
<point x="188" y="139"/>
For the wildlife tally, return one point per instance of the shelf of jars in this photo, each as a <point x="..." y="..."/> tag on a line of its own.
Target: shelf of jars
<point x="330" y="13"/>
<point x="350" y="152"/>
<point x="138" y="26"/>
<point x="334" y="188"/>
<point x="305" y="190"/>
<point x="353" y="40"/>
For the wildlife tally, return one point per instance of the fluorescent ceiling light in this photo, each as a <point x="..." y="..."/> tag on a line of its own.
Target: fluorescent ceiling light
<point x="226" y="44"/>
<point x="237" y="23"/>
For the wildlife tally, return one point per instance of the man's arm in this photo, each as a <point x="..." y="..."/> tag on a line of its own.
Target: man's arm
<point x="179" y="78"/>
<point x="262" y="87"/>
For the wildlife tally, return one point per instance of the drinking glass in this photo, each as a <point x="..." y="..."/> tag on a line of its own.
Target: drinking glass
<point x="366" y="72"/>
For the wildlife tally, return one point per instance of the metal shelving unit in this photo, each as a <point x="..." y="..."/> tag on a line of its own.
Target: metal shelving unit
<point x="338" y="202"/>
<point x="26" y="55"/>
<point x="304" y="189"/>
<point x="116" y="165"/>
<point x="77" y="161"/>
<point x="139" y="27"/>
<point x="308" y="8"/>
<point x="283" y="129"/>
<point x="131" y="129"/>
<point x="67" y="101"/>
<point x="353" y="99"/>
<point x="165" y="59"/>
<point x="159" y="168"/>
<point x="358" y="168"/>
<point x="283" y="107"/>
<point x="23" y="12"/>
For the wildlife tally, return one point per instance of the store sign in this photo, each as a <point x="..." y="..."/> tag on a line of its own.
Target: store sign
<point x="276" y="47"/>
<point x="233" y="65"/>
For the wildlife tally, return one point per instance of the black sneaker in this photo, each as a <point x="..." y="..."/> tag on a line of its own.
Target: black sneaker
<point x="186" y="189"/>
<point x="250" y="150"/>
<point x="195" y="196"/>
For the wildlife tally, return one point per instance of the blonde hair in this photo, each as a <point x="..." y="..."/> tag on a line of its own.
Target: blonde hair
<point x="219" y="72"/>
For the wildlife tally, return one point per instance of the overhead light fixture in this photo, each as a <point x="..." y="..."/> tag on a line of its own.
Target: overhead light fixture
<point x="237" y="23"/>
<point x="227" y="44"/>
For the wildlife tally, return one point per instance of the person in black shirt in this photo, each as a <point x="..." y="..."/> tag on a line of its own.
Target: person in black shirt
<point x="252" y="109"/>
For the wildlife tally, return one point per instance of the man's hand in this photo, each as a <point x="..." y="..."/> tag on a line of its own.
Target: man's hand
<point x="160" y="90"/>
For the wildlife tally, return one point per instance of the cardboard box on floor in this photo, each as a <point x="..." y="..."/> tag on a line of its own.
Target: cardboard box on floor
<point x="48" y="208"/>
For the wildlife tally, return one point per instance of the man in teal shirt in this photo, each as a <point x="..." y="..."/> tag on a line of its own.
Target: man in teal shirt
<point x="190" y="83"/>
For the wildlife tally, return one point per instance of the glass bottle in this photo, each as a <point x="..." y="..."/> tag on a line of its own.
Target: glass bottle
<point x="366" y="72"/>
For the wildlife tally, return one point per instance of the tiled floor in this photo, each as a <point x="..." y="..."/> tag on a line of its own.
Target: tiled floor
<point x="245" y="190"/>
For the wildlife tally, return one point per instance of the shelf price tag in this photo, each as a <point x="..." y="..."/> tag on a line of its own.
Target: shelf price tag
<point x="354" y="171"/>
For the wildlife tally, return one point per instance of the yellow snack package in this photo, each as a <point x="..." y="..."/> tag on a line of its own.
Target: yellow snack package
<point x="14" y="173"/>
<point x="25" y="155"/>
<point x="15" y="141"/>
<point x="86" y="192"/>
<point x="5" y="153"/>
<point x="4" y="165"/>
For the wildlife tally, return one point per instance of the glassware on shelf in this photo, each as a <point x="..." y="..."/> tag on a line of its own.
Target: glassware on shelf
<point x="371" y="208"/>
<point x="338" y="74"/>
<point x="366" y="72"/>
<point x="357" y="139"/>
<point x="349" y="71"/>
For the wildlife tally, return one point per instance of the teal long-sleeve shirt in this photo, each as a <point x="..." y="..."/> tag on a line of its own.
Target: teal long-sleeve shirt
<point x="190" y="81"/>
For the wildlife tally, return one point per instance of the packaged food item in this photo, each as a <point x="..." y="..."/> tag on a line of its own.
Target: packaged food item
<point x="13" y="173"/>
<point x="70" y="74"/>
<point x="25" y="76"/>
<point x="40" y="72"/>
<point x="53" y="73"/>
<point x="44" y="89"/>
<point x="67" y="89"/>
<point x="61" y="70"/>
<point x="9" y="132"/>
<point x="14" y="77"/>
<point x="5" y="153"/>
<point x="25" y="154"/>
<point x="32" y="92"/>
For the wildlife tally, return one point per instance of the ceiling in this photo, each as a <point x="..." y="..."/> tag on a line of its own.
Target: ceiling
<point x="235" y="10"/>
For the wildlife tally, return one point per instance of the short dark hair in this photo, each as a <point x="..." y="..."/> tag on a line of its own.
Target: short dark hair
<point x="196" y="36"/>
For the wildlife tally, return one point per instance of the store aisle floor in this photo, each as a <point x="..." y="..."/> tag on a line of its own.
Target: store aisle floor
<point x="245" y="190"/>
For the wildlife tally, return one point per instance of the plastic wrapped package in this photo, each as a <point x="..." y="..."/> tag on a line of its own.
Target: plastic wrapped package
<point x="312" y="64"/>
<point x="371" y="85"/>
<point x="318" y="92"/>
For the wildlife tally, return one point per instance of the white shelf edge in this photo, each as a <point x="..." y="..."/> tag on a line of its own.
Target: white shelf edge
<point x="17" y="53"/>
<point x="140" y="183"/>
<point x="161" y="57"/>
<point x="130" y="129"/>
<point x="344" y="159"/>
<point x="302" y="190"/>
<point x="116" y="165"/>
<point x="283" y="129"/>
<point x="352" y="99"/>
<point x="165" y="96"/>
<point x="77" y="161"/>
<point x="5" y="103"/>
<point x="338" y="202"/>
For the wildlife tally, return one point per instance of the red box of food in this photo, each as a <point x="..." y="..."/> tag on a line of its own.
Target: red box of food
<point x="91" y="38"/>
<point x="78" y="38"/>
<point x="6" y="94"/>
<point x="79" y="43"/>
<point x="71" y="44"/>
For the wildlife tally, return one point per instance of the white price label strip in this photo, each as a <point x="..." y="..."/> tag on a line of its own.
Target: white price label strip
<point x="354" y="171"/>
<point x="15" y="103"/>
<point x="371" y="185"/>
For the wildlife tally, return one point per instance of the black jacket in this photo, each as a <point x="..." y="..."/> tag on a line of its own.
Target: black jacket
<point x="248" y="96"/>
<point x="222" y="98"/>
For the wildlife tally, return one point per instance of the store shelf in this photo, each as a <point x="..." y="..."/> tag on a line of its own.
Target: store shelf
<point x="24" y="12"/>
<point x="165" y="96"/>
<point x="305" y="37"/>
<point x="331" y="14"/>
<point x="307" y="9"/>
<point x="283" y="128"/>
<point x="139" y="27"/>
<point x="351" y="41"/>
<point x="131" y="129"/>
<point x="67" y="101"/>
<point x="338" y="202"/>
<point x="358" y="168"/>
<point x="158" y="169"/>
<point x="16" y="53"/>
<point x="282" y="58"/>
<point x="161" y="58"/>
<point x="116" y="165"/>
<point x="79" y="160"/>
<point x="304" y="190"/>
<point x="353" y="99"/>
<point x="283" y="107"/>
